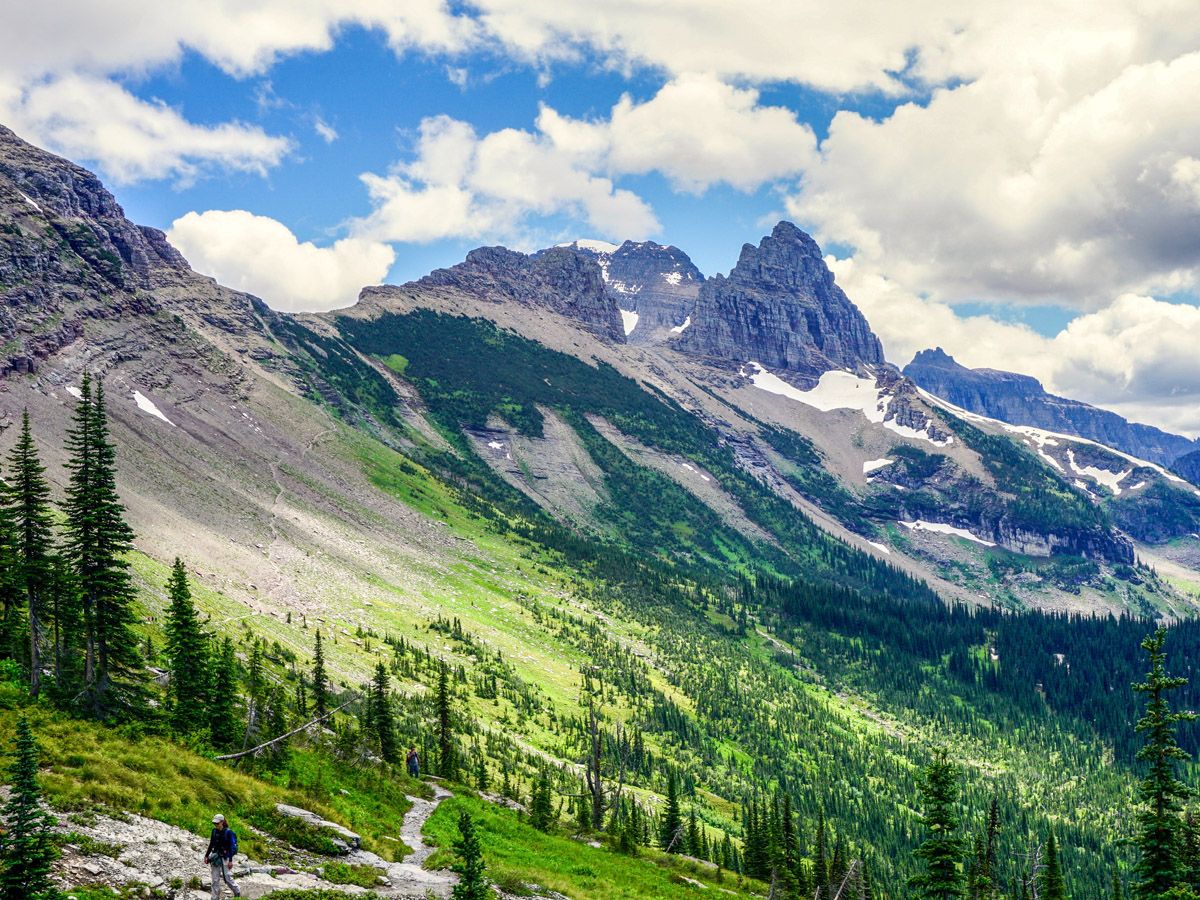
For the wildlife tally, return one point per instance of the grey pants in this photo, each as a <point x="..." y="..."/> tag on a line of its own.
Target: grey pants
<point x="220" y="872"/>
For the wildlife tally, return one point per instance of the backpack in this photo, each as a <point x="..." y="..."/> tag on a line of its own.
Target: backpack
<point x="233" y="845"/>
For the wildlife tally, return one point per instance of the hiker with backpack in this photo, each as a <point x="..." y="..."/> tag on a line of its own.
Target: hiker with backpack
<point x="222" y="848"/>
<point x="414" y="762"/>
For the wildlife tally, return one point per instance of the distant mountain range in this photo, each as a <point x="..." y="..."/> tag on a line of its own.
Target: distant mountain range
<point x="1021" y="400"/>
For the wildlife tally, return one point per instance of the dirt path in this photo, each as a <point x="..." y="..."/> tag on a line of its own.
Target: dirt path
<point x="408" y="878"/>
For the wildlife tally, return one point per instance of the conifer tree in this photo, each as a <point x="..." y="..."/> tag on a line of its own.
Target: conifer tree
<point x="383" y="724"/>
<point x="670" y="835"/>
<point x="447" y="764"/>
<point x="221" y="700"/>
<point x="32" y="528"/>
<point x="255" y="688"/>
<point x="1117" y="892"/>
<point x="541" y="809"/>
<point x="1051" y="885"/>
<point x="470" y="868"/>
<point x="482" y="780"/>
<point x="320" y="682"/>
<point x="27" y="848"/>
<point x="940" y="854"/>
<point x="821" y="862"/>
<point x="1159" y="835"/>
<point x="97" y="541"/>
<point x="187" y="655"/>
<point x="277" y="724"/>
<point x="69" y="637"/>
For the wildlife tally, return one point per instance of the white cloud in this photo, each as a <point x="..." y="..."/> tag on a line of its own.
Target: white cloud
<point x="259" y="255"/>
<point x="91" y="118"/>
<point x="462" y="185"/>
<point x="326" y="131"/>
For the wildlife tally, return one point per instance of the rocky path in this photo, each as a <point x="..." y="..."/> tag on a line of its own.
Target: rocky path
<point x="132" y="849"/>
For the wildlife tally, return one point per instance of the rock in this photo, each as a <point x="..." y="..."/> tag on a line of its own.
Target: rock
<point x="344" y="836"/>
<point x="780" y="307"/>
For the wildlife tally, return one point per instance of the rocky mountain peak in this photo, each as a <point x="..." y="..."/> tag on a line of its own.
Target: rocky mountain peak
<point x="560" y="278"/>
<point x="780" y="307"/>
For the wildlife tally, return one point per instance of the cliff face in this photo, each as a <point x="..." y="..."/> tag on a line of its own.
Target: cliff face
<point x="780" y="307"/>
<point x="1021" y="400"/>
<point x="558" y="279"/>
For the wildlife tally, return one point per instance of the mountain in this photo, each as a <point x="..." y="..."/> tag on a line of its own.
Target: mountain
<point x="746" y="555"/>
<point x="781" y="308"/>
<point x="1021" y="400"/>
<point x="653" y="286"/>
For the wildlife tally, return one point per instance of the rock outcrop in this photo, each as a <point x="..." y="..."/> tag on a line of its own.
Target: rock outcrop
<point x="1022" y="400"/>
<point x="654" y="285"/>
<point x="559" y="279"/>
<point x="780" y="307"/>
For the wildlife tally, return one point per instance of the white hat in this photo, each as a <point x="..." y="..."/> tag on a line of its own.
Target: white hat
<point x="218" y="819"/>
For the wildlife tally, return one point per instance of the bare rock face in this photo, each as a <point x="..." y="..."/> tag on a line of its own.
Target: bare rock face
<point x="655" y="286"/>
<point x="780" y="307"/>
<point x="559" y="279"/>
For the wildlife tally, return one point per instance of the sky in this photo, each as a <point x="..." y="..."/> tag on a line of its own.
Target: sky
<point x="1016" y="181"/>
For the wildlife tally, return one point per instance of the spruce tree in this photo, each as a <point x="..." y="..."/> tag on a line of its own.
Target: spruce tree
<point x="97" y="541"/>
<point x="940" y="854"/>
<point x="187" y="656"/>
<point x="1051" y="885"/>
<point x="821" y="862"/>
<point x="27" y="849"/>
<point x="31" y="521"/>
<point x="1159" y="834"/>
<point x="541" y="803"/>
<point x="470" y="868"/>
<point x="670" y="835"/>
<point x="277" y="724"/>
<point x="320" y="682"/>
<point x="383" y="725"/>
<point x="1117" y="892"/>
<point x="447" y="764"/>
<point x="222" y="698"/>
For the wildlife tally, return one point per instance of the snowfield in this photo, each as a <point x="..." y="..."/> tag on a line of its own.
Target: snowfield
<point x="872" y="465"/>
<point x="146" y="405"/>
<point x="629" y="320"/>
<point x="941" y="528"/>
<point x="680" y="329"/>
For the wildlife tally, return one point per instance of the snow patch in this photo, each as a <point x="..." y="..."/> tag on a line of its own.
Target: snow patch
<point x="1111" y="480"/>
<point x="839" y="389"/>
<point x="872" y="465"/>
<point x="591" y="244"/>
<point x="881" y="548"/>
<point x="496" y="445"/>
<point x="29" y="200"/>
<point x="146" y="405"/>
<point x="74" y="391"/>
<point x="692" y="468"/>
<point x="942" y="528"/>
<point x="621" y="287"/>
<point x="629" y="320"/>
<point x="673" y="278"/>
<point x="680" y="329"/>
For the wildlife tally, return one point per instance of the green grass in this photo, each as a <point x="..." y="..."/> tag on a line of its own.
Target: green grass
<point x="516" y="852"/>
<point x="344" y="873"/>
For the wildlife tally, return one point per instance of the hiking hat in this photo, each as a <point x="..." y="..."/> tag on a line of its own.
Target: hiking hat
<point x="218" y="819"/>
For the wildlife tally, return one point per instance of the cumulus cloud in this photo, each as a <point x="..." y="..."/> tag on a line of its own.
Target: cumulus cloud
<point x="92" y="118"/>
<point x="696" y="131"/>
<point x="261" y="256"/>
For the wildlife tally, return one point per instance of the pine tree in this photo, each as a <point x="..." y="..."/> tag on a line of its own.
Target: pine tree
<point x="482" y="780"/>
<point x="471" y="882"/>
<point x="987" y="879"/>
<point x="277" y="724"/>
<point x="821" y="862"/>
<point x="222" y="696"/>
<point x="32" y="523"/>
<point x="97" y="541"/>
<point x="255" y="689"/>
<point x="187" y="655"/>
<point x="66" y="613"/>
<point x="942" y="850"/>
<point x="1051" y="885"/>
<point x="26" y="846"/>
<point x="383" y="725"/>
<point x="541" y="808"/>
<point x="1161" y="792"/>
<point x="1117" y="892"/>
<point x="320" y="682"/>
<point x="670" y="835"/>
<point x="447" y="764"/>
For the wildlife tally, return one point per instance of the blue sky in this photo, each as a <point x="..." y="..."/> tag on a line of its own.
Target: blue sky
<point x="1015" y="181"/>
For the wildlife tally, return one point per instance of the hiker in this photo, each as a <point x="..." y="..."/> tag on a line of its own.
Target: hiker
<point x="222" y="848"/>
<point x="414" y="762"/>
